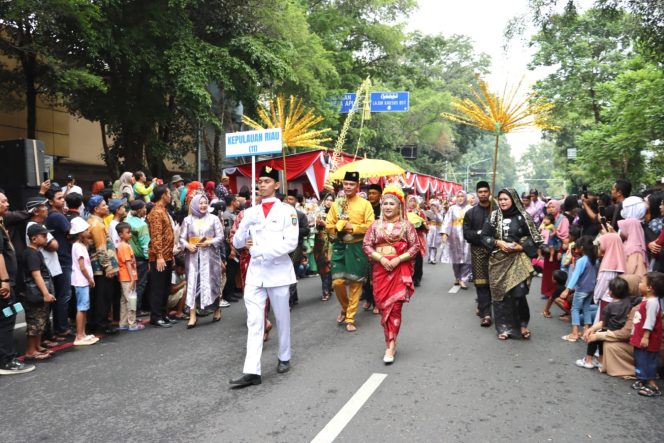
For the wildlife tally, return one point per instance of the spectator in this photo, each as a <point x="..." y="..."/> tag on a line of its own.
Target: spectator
<point x="179" y="193"/>
<point x="127" y="186"/>
<point x="72" y="187"/>
<point x="232" y="263"/>
<point x="104" y="264"/>
<point x="74" y="202"/>
<point x="117" y="208"/>
<point x="582" y="282"/>
<point x="537" y="207"/>
<point x="128" y="276"/>
<point x="222" y="188"/>
<point x="81" y="279"/>
<point x="9" y="364"/>
<point x="140" y="241"/>
<point x="620" y="190"/>
<point x="141" y="191"/>
<point x="59" y="226"/>
<point x="39" y="284"/>
<point x="178" y="292"/>
<point x="160" y="257"/>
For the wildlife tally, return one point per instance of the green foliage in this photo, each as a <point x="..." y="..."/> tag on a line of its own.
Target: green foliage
<point x="542" y="169"/>
<point x="482" y="149"/>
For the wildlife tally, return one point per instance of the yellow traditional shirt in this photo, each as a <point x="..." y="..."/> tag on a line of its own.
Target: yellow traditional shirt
<point x="359" y="213"/>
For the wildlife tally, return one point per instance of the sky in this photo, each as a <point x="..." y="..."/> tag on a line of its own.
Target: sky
<point x="484" y="21"/>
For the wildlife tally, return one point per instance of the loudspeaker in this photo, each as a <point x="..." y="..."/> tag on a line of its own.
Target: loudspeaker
<point x="21" y="163"/>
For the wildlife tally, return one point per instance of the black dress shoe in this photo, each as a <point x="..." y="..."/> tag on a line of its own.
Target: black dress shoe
<point x="245" y="380"/>
<point x="161" y="323"/>
<point x="283" y="366"/>
<point x="170" y="320"/>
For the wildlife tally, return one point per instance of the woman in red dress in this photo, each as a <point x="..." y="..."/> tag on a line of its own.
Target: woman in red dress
<point x="392" y="244"/>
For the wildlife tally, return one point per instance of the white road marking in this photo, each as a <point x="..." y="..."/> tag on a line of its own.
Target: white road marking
<point x="346" y="414"/>
<point x="20" y="325"/>
<point x="454" y="289"/>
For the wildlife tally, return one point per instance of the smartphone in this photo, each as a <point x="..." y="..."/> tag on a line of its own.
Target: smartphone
<point x="602" y="217"/>
<point x="585" y="191"/>
<point x="45" y="176"/>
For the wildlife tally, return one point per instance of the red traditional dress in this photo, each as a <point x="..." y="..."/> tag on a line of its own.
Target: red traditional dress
<point x="392" y="289"/>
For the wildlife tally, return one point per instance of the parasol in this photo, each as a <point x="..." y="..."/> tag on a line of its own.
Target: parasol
<point x="368" y="168"/>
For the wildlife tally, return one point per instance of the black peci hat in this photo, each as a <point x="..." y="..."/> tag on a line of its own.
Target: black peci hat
<point x="352" y="176"/>
<point x="268" y="171"/>
<point x="292" y="193"/>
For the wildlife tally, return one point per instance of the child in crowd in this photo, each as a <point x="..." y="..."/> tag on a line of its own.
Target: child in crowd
<point x="551" y="241"/>
<point x="582" y="282"/>
<point x="128" y="276"/>
<point x="613" y="318"/>
<point x="81" y="278"/>
<point x="647" y="334"/>
<point x="38" y="281"/>
<point x="560" y="278"/>
<point x="303" y="267"/>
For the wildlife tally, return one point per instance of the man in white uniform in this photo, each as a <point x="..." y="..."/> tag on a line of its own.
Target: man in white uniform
<point x="270" y="231"/>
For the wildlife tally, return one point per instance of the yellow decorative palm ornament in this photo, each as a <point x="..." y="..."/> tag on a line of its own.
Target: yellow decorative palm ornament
<point x="296" y="123"/>
<point x="501" y="114"/>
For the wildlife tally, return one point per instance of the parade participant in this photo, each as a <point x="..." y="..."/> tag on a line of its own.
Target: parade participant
<point x="418" y="219"/>
<point x="458" y="248"/>
<point x="270" y="231"/>
<point x="202" y="238"/>
<point x="512" y="237"/>
<point x="160" y="256"/>
<point x="392" y="244"/>
<point x="434" y="237"/>
<point x="232" y="263"/>
<point x="322" y="247"/>
<point x="373" y="195"/>
<point x="298" y="253"/>
<point x="347" y="222"/>
<point x="473" y="222"/>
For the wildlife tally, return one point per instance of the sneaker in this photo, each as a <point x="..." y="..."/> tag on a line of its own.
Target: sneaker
<point x="583" y="364"/>
<point x="14" y="366"/>
<point x="86" y="341"/>
<point x="224" y="304"/>
<point x="136" y="327"/>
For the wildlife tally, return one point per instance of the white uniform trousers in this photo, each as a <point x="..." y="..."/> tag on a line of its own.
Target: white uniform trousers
<point x="255" y="299"/>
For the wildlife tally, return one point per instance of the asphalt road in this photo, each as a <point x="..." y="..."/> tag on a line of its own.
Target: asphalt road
<point x="452" y="382"/>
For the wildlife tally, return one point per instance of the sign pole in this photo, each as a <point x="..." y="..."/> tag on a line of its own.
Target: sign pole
<point x="253" y="180"/>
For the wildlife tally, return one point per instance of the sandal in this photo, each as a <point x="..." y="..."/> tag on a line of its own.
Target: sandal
<point x="526" y="335"/>
<point x="366" y="306"/>
<point x="341" y="318"/>
<point x="638" y="385"/>
<point x="570" y="338"/>
<point x="486" y="322"/>
<point x="563" y="317"/>
<point x="38" y="356"/>
<point x="325" y="297"/>
<point x="503" y="336"/>
<point x="546" y="314"/>
<point x="50" y="344"/>
<point x="350" y="327"/>
<point x="376" y="310"/>
<point x="650" y="391"/>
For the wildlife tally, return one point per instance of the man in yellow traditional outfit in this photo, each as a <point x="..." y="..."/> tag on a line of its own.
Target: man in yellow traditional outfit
<point x="347" y="221"/>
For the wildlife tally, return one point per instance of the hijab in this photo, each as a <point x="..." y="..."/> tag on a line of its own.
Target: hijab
<point x="635" y="241"/>
<point x="322" y="206"/>
<point x="97" y="187"/>
<point x="465" y="199"/>
<point x="195" y="205"/>
<point x="613" y="258"/>
<point x="125" y="184"/>
<point x="634" y="207"/>
<point x="558" y="217"/>
<point x="475" y="199"/>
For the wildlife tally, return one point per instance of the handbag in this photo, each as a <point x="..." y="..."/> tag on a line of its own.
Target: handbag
<point x="33" y="294"/>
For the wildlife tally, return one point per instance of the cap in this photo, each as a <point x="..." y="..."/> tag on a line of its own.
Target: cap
<point x="176" y="178"/>
<point x="37" y="229"/>
<point x="33" y="203"/>
<point x="352" y="176"/>
<point x="268" y="171"/>
<point x="292" y="192"/>
<point x="115" y="203"/>
<point x="78" y="225"/>
<point x="94" y="201"/>
<point x="137" y="204"/>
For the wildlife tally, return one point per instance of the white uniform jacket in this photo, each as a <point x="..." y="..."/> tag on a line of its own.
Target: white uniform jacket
<point x="273" y="239"/>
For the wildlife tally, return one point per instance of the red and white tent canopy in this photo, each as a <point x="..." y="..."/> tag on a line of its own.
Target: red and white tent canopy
<point x="308" y="171"/>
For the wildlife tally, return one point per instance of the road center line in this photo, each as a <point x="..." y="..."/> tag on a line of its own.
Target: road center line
<point x="454" y="289"/>
<point x="348" y="411"/>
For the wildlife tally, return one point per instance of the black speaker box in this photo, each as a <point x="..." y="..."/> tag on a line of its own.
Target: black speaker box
<point x="21" y="163"/>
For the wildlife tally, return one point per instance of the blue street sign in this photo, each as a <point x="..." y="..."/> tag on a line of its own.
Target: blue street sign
<point x="390" y="101"/>
<point x="380" y="102"/>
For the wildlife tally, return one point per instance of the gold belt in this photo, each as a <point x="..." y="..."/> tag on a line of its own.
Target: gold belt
<point x="386" y="250"/>
<point x="195" y="240"/>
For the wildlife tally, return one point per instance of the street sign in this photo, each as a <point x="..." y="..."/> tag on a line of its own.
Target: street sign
<point x="380" y="102"/>
<point x="252" y="143"/>
<point x="390" y="101"/>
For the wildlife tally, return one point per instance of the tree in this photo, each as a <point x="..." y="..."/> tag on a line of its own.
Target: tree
<point x="541" y="169"/>
<point x="42" y="41"/>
